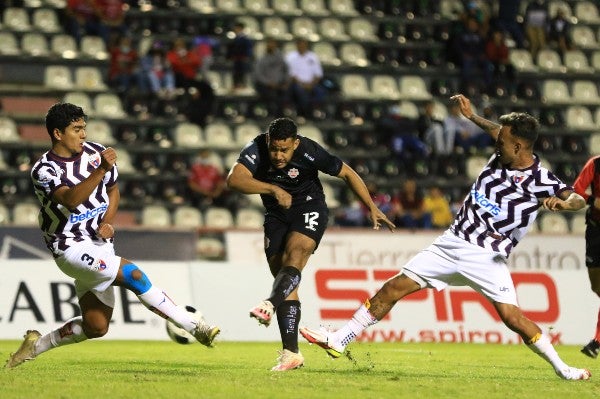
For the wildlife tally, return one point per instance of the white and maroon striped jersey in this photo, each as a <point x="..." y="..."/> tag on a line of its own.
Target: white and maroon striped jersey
<point x="503" y="203"/>
<point x="61" y="226"/>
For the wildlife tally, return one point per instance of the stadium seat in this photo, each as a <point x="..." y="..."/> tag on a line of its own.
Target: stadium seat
<point x="93" y="47"/>
<point x="594" y="145"/>
<point x="553" y="223"/>
<point x="304" y="27"/>
<point x="577" y="61"/>
<point x="549" y="60"/>
<point x="210" y="248"/>
<point x="25" y="214"/>
<point x="218" y="136"/>
<point x="343" y="8"/>
<point x="555" y="91"/>
<point x="16" y="19"/>
<point x="188" y="135"/>
<point x="64" y="46"/>
<point x="89" y="78"/>
<point x="313" y="133"/>
<point x="583" y="36"/>
<point x="230" y="159"/>
<point x="354" y="85"/>
<point x="46" y="20"/>
<point x="555" y="5"/>
<point x="218" y="218"/>
<point x="202" y="6"/>
<point x="260" y="7"/>
<point x="474" y="166"/>
<point x="578" y="223"/>
<point x="353" y="54"/>
<point x="249" y="218"/>
<point x="4" y="215"/>
<point x="100" y="131"/>
<point x="314" y="7"/>
<point x="276" y="27"/>
<point x="229" y="6"/>
<point x="8" y="130"/>
<point x="109" y="106"/>
<point x="408" y="109"/>
<point x="80" y="99"/>
<point x="327" y="53"/>
<point x="362" y="29"/>
<point x="34" y="44"/>
<point x="522" y="61"/>
<point x="585" y="92"/>
<point x="330" y="196"/>
<point x="219" y="83"/>
<point x="440" y="112"/>
<point x="155" y="216"/>
<point x="251" y="28"/>
<point x="9" y="44"/>
<point x="413" y="87"/>
<point x="58" y="77"/>
<point x="586" y="12"/>
<point x="333" y="29"/>
<point x="286" y="7"/>
<point x="245" y="133"/>
<point x="385" y="87"/>
<point x="187" y="217"/>
<point x="451" y="9"/>
<point x="579" y="117"/>
<point x="124" y="162"/>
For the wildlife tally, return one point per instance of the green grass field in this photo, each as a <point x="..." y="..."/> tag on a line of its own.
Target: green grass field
<point x="149" y="369"/>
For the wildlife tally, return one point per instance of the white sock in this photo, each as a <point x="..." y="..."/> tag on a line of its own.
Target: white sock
<point x="360" y="321"/>
<point x="541" y="345"/>
<point x="158" y="302"/>
<point x="70" y="333"/>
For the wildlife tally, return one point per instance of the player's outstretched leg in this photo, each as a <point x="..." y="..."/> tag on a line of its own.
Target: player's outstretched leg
<point x="26" y="351"/>
<point x="325" y="339"/>
<point x="591" y="349"/>
<point x="206" y="334"/>
<point x="263" y="313"/>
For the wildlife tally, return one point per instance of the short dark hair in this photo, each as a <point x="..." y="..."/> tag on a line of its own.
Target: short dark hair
<point x="60" y="115"/>
<point x="522" y="125"/>
<point x="282" y="129"/>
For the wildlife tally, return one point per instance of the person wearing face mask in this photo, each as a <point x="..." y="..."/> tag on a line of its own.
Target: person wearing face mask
<point x="185" y="63"/>
<point x="124" y="71"/>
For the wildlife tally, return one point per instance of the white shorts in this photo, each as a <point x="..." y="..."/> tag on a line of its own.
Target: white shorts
<point x="450" y="260"/>
<point x="94" y="267"/>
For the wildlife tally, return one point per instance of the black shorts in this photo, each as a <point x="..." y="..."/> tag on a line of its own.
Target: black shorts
<point x="592" y="245"/>
<point x="310" y="219"/>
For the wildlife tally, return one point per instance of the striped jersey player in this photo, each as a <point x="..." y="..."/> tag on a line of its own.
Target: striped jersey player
<point x="76" y="185"/>
<point x="502" y="204"/>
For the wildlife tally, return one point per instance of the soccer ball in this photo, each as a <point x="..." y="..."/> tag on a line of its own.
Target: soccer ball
<point x="178" y="334"/>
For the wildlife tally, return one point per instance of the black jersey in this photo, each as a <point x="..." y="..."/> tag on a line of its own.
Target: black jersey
<point x="300" y="177"/>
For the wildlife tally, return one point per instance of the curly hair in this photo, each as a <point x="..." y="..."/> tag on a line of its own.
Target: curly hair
<point x="282" y="129"/>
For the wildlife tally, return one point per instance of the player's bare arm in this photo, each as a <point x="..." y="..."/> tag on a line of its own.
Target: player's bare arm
<point x="241" y="179"/>
<point x="358" y="187"/>
<point x="105" y="228"/>
<point x="72" y="197"/>
<point x="570" y="201"/>
<point x="465" y="108"/>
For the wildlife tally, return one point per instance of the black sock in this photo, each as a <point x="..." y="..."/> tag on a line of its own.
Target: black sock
<point x="288" y="318"/>
<point x="285" y="282"/>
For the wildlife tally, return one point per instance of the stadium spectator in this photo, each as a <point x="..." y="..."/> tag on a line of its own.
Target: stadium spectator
<point x="409" y="208"/>
<point x="78" y="205"/>
<point x="184" y="63"/>
<point x="306" y="73"/>
<point x="497" y="52"/>
<point x="587" y="184"/>
<point x="85" y="17"/>
<point x="283" y="167"/>
<point x="198" y="102"/>
<point x="401" y="135"/>
<point x="475" y="67"/>
<point x="431" y="130"/>
<point x="464" y="136"/>
<point x="508" y="12"/>
<point x="436" y="203"/>
<point x="474" y="250"/>
<point x="124" y="71"/>
<point x="536" y="25"/>
<point x="157" y="73"/>
<point x="206" y="181"/>
<point x="271" y="78"/>
<point x="112" y="15"/>
<point x="559" y="32"/>
<point x="240" y="52"/>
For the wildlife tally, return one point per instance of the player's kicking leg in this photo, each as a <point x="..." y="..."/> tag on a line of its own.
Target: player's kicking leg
<point x="26" y="351"/>
<point x="325" y="339"/>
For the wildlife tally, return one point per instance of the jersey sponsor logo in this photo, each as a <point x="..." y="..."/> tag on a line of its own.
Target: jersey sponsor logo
<point x="250" y="158"/>
<point x="293" y="173"/>
<point x="310" y="158"/>
<point x="485" y="203"/>
<point x="89" y="214"/>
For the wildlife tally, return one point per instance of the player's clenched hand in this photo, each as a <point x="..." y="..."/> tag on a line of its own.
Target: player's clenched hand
<point x="106" y="231"/>
<point x="378" y="217"/>
<point x="553" y="204"/>
<point x="108" y="158"/>
<point x="464" y="103"/>
<point x="284" y="199"/>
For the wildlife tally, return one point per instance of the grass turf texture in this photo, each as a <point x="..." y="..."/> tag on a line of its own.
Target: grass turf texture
<point x="149" y="369"/>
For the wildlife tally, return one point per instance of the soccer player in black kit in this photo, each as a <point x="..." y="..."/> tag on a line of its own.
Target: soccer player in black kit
<point x="283" y="168"/>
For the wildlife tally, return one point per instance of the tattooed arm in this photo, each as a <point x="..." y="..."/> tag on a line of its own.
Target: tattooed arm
<point x="465" y="108"/>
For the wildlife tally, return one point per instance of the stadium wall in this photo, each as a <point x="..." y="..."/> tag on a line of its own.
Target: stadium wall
<point x="349" y="266"/>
